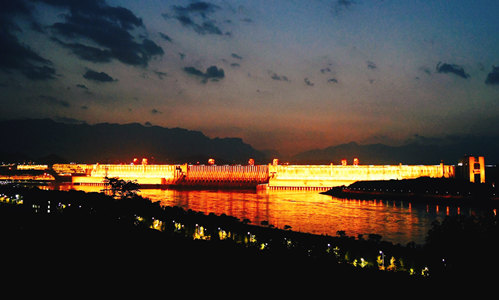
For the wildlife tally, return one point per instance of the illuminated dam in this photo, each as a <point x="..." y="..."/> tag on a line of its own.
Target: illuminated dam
<point x="271" y="176"/>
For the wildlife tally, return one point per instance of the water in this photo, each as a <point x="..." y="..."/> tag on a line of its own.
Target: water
<point x="396" y="221"/>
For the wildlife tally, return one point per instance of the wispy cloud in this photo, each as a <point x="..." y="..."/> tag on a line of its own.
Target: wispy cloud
<point x="275" y="76"/>
<point x="98" y="76"/>
<point x="16" y="56"/>
<point x="196" y="17"/>
<point x="493" y="77"/>
<point x="212" y="73"/>
<point x="106" y="26"/>
<point x="453" y="69"/>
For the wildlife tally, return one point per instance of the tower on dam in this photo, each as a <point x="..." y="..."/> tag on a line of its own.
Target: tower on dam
<point x="473" y="168"/>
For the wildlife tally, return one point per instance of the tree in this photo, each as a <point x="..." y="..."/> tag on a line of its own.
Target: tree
<point x="121" y="188"/>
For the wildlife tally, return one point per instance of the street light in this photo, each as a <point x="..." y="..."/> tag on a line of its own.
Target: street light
<point x="382" y="259"/>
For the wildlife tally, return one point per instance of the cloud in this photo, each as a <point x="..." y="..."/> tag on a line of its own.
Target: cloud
<point x="371" y="65"/>
<point x="15" y="55"/>
<point x="69" y="120"/>
<point x="165" y="37"/>
<point x="89" y="53"/>
<point x="202" y="8"/>
<point x="235" y="65"/>
<point x="82" y="86"/>
<point x="160" y="74"/>
<point x="308" y="82"/>
<point x="274" y="76"/>
<point x="98" y="76"/>
<point x="195" y="16"/>
<point x="234" y="55"/>
<point x="206" y="27"/>
<point x="451" y="68"/>
<point x="332" y="80"/>
<point x="53" y="101"/>
<point x="341" y="5"/>
<point x="326" y="70"/>
<point x="493" y="76"/>
<point x="212" y="73"/>
<point x="106" y="26"/>
<point x="155" y="111"/>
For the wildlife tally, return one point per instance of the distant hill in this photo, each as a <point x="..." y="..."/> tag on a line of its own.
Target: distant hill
<point x="450" y="150"/>
<point x="47" y="140"/>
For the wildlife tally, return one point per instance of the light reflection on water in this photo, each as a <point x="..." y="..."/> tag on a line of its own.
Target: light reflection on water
<point x="396" y="221"/>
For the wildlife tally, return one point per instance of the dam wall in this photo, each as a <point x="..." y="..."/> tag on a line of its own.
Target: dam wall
<point x="228" y="175"/>
<point x="293" y="177"/>
<point x="323" y="177"/>
<point x="177" y="175"/>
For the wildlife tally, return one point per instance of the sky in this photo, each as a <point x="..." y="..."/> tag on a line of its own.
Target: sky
<point x="284" y="75"/>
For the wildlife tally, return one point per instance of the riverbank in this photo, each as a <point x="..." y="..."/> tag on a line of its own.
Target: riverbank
<point x="423" y="189"/>
<point x="73" y="231"/>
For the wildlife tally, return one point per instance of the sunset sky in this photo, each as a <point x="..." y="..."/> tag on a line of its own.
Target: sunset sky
<point x="283" y="75"/>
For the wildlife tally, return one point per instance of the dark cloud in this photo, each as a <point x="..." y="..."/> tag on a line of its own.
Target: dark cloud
<point x="155" y="111"/>
<point x="69" y="120"/>
<point x="371" y="65"/>
<point x="206" y="27"/>
<point x="14" y="8"/>
<point x="98" y="76"/>
<point x="308" y="82"/>
<point x="332" y="80"/>
<point x="202" y="8"/>
<point x="16" y="56"/>
<point x="234" y="55"/>
<point x="151" y="48"/>
<point x="341" y="5"/>
<point x="493" y="76"/>
<point x="196" y="17"/>
<point x="160" y="74"/>
<point x="235" y="65"/>
<point x="426" y="70"/>
<point x="274" y="76"/>
<point x="451" y="68"/>
<point x="326" y="70"/>
<point x="82" y="86"/>
<point x="212" y="73"/>
<point x="53" y="101"/>
<point x="89" y="53"/>
<point x="165" y="37"/>
<point x="39" y="73"/>
<point x="108" y="27"/>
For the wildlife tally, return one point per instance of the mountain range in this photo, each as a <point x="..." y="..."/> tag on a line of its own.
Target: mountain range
<point x="48" y="141"/>
<point x="450" y="150"/>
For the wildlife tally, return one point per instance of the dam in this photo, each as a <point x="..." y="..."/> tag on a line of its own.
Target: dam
<point x="272" y="176"/>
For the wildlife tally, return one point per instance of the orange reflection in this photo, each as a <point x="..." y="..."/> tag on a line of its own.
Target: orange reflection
<point x="395" y="221"/>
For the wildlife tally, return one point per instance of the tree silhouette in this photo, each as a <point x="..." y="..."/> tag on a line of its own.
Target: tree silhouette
<point x="121" y="188"/>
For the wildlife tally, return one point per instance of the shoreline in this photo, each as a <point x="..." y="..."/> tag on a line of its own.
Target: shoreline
<point x="423" y="190"/>
<point x="69" y="227"/>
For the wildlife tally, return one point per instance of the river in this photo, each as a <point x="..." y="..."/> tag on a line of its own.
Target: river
<point x="396" y="221"/>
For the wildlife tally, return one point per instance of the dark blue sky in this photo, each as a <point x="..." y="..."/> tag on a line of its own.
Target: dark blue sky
<point x="284" y="75"/>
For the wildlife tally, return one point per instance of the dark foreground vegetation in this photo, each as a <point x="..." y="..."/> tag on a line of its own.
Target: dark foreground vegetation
<point x="75" y="233"/>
